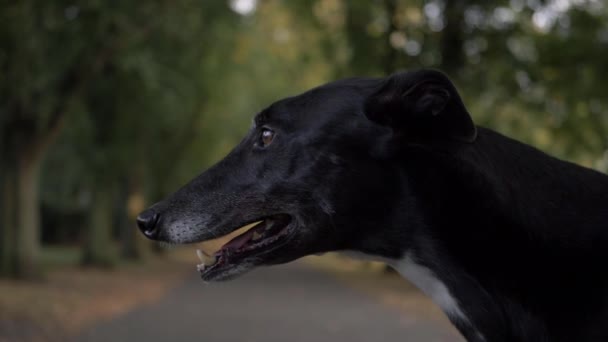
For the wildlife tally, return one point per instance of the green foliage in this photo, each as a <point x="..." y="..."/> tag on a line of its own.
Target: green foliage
<point x="147" y="94"/>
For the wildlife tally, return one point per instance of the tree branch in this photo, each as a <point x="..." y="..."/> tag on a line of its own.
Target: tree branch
<point x="77" y="77"/>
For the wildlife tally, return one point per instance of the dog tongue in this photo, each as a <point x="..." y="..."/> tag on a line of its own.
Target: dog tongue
<point x="239" y="241"/>
<point x="233" y="239"/>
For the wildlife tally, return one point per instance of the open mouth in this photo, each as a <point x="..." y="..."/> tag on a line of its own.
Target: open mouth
<point x="254" y="239"/>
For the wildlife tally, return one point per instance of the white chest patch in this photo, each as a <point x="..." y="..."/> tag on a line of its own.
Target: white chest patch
<point x="424" y="279"/>
<point x="427" y="282"/>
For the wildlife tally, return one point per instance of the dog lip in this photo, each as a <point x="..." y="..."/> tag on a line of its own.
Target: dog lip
<point x="227" y="259"/>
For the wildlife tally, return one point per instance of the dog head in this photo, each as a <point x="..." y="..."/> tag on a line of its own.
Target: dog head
<point x="318" y="172"/>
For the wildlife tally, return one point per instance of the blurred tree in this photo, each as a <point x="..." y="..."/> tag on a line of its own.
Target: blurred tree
<point x="113" y="57"/>
<point x="38" y="89"/>
<point x="145" y="100"/>
<point x="541" y="58"/>
<point x="137" y="129"/>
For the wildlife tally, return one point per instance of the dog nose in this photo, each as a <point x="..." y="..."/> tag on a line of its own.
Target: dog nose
<point x="147" y="223"/>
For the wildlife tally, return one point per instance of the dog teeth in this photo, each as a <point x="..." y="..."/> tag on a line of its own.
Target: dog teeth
<point x="207" y="260"/>
<point x="256" y="236"/>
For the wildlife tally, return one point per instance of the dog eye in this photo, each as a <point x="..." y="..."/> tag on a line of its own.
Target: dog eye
<point x="266" y="137"/>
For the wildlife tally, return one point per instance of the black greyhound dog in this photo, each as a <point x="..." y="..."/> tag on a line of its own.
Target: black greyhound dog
<point x="511" y="243"/>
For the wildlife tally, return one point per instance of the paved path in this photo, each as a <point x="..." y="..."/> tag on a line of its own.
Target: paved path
<point x="290" y="303"/>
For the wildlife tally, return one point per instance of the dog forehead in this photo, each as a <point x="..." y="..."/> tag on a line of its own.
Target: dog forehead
<point x="322" y="104"/>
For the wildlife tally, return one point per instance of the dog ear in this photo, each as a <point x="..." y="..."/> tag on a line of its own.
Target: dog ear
<point x="421" y="106"/>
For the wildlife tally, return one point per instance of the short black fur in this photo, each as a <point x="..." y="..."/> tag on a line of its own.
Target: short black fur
<point x="395" y="166"/>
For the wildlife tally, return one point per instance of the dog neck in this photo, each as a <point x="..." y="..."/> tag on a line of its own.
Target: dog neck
<point x="498" y="240"/>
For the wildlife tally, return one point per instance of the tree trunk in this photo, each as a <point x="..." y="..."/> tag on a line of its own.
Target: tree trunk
<point x="28" y="215"/>
<point x="134" y="245"/>
<point x="19" y="206"/>
<point x="452" y="40"/>
<point x="99" y="249"/>
<point x="7" y="218"/>
<point x="392" y="54"/>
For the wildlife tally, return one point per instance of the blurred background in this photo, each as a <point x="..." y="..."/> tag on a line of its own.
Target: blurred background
<point x="108" y="106"/>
